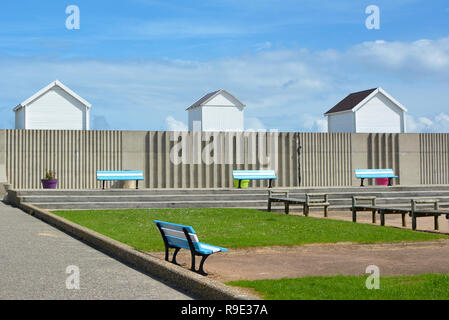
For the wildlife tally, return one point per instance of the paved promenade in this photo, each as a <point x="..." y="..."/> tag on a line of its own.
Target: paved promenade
<point x="34" y="258"/>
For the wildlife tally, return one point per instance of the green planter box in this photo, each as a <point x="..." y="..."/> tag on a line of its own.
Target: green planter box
<point x="243" y="184"/>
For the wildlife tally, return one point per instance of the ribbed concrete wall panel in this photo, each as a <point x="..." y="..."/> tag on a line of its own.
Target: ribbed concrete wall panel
<point x="434" y="150"/>
<point x="74" y="156"/>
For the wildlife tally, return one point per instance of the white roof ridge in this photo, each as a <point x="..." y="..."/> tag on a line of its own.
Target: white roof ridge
<point x="46" y="89"/>
<point x="212" y="94"/>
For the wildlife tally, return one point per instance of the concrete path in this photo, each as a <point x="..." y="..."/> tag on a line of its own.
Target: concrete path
<point x="34" y="258"/>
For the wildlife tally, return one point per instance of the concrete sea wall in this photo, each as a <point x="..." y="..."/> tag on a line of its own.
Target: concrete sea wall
<point x="206" y="160"/>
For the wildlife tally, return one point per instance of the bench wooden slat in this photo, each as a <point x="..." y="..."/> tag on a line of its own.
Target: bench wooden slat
<point x="388" y="210"/>
<point x="429" y="213"/>
<point x="180" y="234"/>
<point x="174" y="226"/>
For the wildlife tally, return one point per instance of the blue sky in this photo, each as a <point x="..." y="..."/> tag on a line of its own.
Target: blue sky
<point x="140" y="63"/>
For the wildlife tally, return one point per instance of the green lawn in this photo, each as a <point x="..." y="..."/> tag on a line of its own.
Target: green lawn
<point x="235" y="228"/>
<point x="421" y="287"/>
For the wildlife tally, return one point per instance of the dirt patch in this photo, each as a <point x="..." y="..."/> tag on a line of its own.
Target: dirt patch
<point x="324" y="260"/>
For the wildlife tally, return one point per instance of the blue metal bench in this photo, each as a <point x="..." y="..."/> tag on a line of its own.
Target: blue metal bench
<point x="375" y="173"/>
<point x="254" y="175"/>
<point x="120" y="175"/>
<point x="178" y="236"/>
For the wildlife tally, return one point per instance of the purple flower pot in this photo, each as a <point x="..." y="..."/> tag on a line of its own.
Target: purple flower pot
<point x="49" y="184"/>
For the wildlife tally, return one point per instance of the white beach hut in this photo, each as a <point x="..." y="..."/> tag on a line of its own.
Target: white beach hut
<point x="216" y="111"/>
<point x="368" y="111"/>
<point x="54" y="107"/>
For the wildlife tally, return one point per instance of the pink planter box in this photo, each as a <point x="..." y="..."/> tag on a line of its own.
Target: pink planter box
<point x="382" y="181"/>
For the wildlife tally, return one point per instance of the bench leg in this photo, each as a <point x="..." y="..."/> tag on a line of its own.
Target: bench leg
<point x="373" y="217"/>
<point x="269" y="205"/>
<point x="201" y="270"/>
<point x="382" y="218"/>
<point x="435" y="222"/>
<point x="201" y="267"/>
<point x="403" y="220"/>
<point x="287" y="207"/>
<point x="193" y="263"/>
<point x="413" y="222"/>
<point x="166" y="253"/>
<point x="173" y="260"/>
<point x="326" y="210"/>
<point x="354" y="215"/>
<point x="306" y="210"/>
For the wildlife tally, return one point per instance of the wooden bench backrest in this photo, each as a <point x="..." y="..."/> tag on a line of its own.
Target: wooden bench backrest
<point x="174" y="233"/>
<point x="119" y="175"/>
<point x="253" y="174"/>
<point x="433" y="203"/>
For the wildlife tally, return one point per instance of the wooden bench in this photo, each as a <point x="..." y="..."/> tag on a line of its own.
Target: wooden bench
<point x="254" y="175"/>
<point x="356" y="206"/>
<point x="375" y="173"/>
<point x="414" y="212"/>
<point x="120" y="175"/>
<point x="434" y="211"/>
<point x="381" y="210"/>
<point x="179" y="237"/>
<point x="311" y="200"/>
<point x="385" y="211"/>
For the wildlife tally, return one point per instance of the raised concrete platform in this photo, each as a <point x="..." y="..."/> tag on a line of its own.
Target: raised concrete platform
<point x="339" y="197"/>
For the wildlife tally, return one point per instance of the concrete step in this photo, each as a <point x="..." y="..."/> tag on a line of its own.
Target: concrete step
<point x="149" y="205"/>
<point x="333" y="197"/>
<point x="339" y="197"/>
<point x="146" y="198"/>
<point x="192" y="204"/>
<point x="370" y="189"/>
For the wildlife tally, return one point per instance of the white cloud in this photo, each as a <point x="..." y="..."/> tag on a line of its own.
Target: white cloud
<point x="312" y="123"/>
<point x="263" y="46"/>
<point x="436" y="124"/>
<point x="175" y="125"/>
<point x="422" y="56"/>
